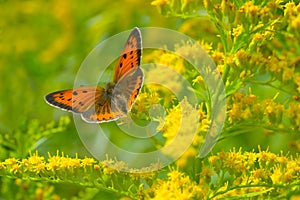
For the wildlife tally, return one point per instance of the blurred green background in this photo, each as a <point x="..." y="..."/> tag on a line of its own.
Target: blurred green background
<point x="43" y="43"/>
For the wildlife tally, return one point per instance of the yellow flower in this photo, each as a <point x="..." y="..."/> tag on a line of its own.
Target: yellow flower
<point x="251" y="8"/>
<point x="258" y="37"/>
<point x="97" y="167"/>
<point x="295" y="23"/>
<point x="199" y="80"/>
<point x="213" y="160"/>
<point x="39" y="193"/>
<point x="237" y="31"/>
<point x="159" y="2"/>
<point x="15" y="168"/>
<point x="191" y="152"/>
<point x="274" y="65"/>
<point x="177" y="186"/>
<point x="276" y="175"/>
<point x="287" y="74"/>
<point x="297" y="81"/>
<point x="10" y="161"/>
<point x="208" y="4"/>
<point x="289" y="9"/>
<point x="260" y="174"/>
<point x="293" y="113"/>
<point x="218" y="57"/>
<point x="18" y="182"/>
<point x="207" y="47"/>
<point x="265" y="14"/>
<point x="53" y="163"/>
<point x="39" y="168"/>
<point x="65" y="163"/>
<point x="154" y="98"/>
<point x="87" y="162"/>
<point x="246" y="113"/>
<point x="235" y="112"/>
<point x="77" y="163"/>
<point x="251" y="159"/>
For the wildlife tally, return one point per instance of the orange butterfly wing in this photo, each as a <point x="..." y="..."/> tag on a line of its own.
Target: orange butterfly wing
<point x="131" y="55"/>
<point x="76" y="100"/>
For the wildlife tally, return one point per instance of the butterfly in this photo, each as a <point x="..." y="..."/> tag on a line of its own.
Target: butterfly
<point x="97" y="104"/>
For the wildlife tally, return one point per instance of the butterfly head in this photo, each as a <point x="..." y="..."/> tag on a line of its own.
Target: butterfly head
<point x="110" y="88"/>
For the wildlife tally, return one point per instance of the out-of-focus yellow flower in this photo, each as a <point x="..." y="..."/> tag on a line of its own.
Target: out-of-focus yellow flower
<point x="287" y="74"/>
<point x="199" y="80"/>
<point x="208" y="4"/>
<point x="251" y="9"/>
<point x="290" y="9"/>
<point x="237" y="31"/>
<point x="62" y="10"/>
<point x="293" y="112"/>
<point x="39" y="193"/>
<point x="159" y="2"/>
<point x="234" y="113"/>
<point x="295" y="23"/>
<point x="218" y="57"/>
<point x="258" y="37"/>
<point x="297" y="81"/>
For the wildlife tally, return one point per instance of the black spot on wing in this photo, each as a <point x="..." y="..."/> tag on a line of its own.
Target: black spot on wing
<point x="50" y="98"/>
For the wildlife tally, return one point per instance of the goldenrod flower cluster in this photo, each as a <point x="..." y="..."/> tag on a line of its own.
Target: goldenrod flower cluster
<point x="260" y="175"/>
<point x="86" y="172"/>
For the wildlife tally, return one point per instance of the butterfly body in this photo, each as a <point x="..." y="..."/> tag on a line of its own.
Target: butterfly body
<point x="97" y="104"/>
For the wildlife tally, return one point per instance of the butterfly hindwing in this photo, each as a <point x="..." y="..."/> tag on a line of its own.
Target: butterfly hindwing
<point x="131" y="55"/>
<point x="126" y="90"/>
<point x="101" y="113"/>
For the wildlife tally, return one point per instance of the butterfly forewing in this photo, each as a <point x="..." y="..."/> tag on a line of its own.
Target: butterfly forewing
<point x="131" y="55"/>
<point x="77" y="100"/>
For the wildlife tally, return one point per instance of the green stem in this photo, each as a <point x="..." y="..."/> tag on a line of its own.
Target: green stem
<point x="269" y="83"/>
<point x="255" y="185"/>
